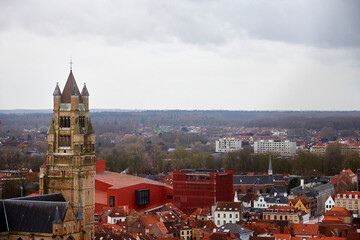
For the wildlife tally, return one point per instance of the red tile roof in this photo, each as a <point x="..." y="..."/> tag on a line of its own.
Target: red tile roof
<point x="304" y="229"/>
<point x="338" y="212"/>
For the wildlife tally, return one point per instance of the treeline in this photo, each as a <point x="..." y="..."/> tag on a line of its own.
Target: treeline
<point x="149" y="158"/>
<point x="129" y="121"/>
<point x="337" y="123"/>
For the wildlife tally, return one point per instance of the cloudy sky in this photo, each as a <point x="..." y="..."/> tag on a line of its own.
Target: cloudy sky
<point x="201" y="54"/>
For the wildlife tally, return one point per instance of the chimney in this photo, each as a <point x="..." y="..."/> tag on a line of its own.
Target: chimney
<point x="302" y="183"/>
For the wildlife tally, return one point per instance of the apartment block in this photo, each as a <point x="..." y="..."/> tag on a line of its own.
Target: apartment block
<point x="274" y="146"/>
<point x="228" y="145"/>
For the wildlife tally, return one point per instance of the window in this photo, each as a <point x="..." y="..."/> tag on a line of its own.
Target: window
<point x="224" y="215"/>
<point x="142" y="197"/>
<point x="224" y="221"/>
<point x="112" y="201"/>
<point x="218" y="214"/>
<point x="218" y="222"/>
<point x="338" y="203"/>
<point x="65" y="141"/>
<point x="344" y="204"/>
<point x="81" y="121"/>
<point x="230" y="215"/>
<point x="64" y="122"/>
<point x="236" y="215"/>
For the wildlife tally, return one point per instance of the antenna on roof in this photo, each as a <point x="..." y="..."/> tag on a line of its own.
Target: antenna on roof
<point x="71" y="63"/>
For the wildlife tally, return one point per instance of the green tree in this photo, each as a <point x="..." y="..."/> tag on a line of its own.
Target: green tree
<point x="352" y="161"/>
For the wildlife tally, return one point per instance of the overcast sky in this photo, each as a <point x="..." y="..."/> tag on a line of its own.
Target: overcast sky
<point x="227" y="55"/>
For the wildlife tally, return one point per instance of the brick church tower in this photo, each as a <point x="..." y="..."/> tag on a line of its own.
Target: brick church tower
<point x="70" y="159"/>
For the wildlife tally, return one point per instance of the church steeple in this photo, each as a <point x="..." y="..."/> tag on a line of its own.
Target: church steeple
<point x="70" y="159"/>
<point x="270" y="170"/>
<point x="70" y="88"/>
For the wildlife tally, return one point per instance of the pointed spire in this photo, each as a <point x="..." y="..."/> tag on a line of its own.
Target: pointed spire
<point x="57" y="218"/>
<point x="79" y="214"/>
<point x="74" y="92"/>
<point x="57" y="91"/>
<point x="89" y="128"/>
<point x="270" y="171"/>
<point x="52" y="127"/>
<point x="84" y="91"/>
<point x="69" y="89"/>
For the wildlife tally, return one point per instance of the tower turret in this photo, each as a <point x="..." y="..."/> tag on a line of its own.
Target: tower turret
<point x="57" y="97"/>
<point x="85" y="97"/>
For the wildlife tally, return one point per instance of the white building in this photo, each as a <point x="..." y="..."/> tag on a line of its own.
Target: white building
<point x="268" y="201"/>
<point x="282" y="147"/>
<point x="329" y="203"/>
<point x="227" y="145"/>
<point x="226" y="212"/>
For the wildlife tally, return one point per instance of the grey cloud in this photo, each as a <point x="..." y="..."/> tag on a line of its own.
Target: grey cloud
<point x="321" y="23"/>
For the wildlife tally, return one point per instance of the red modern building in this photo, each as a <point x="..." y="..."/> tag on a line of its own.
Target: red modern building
<point x="114" y="189"/>
<point x="201" y="188"/>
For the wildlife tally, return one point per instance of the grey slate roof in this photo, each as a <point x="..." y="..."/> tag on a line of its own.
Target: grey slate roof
<point x="84" y="91"/>
<point x="57" y="91"/>
<point x="256" y="179"/>
<point x="32" y="214"/>
<point x="309" y="192"/>
<point x="324" y="188"/>
<point x="53" y="197"/>
<point x="235" y="229"/>
<point x="276" y="199"/>
<point x="278" y="189"/>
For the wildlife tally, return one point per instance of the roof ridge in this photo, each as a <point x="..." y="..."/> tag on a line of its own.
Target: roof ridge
<point x="7" y="223"/>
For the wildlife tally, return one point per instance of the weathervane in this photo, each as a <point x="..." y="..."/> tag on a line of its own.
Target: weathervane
<point x="71" y="63"/>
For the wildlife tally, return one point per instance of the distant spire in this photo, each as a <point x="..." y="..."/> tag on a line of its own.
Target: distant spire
<point x="57" y="91"/>
<point x="57" y="218"/>
<point x="270" y="171"/>
<point x="79" y="213"/>
<point x="84" y="91"/>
